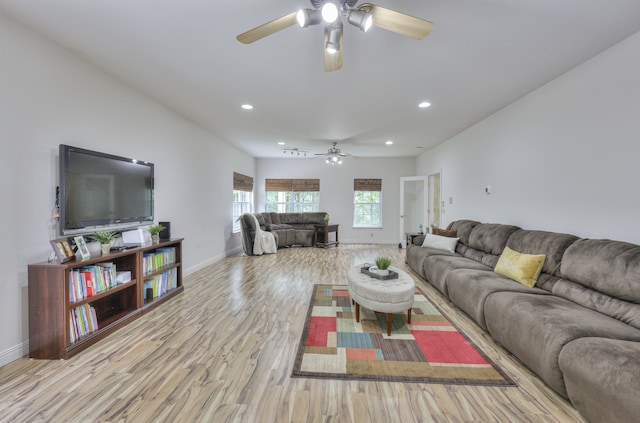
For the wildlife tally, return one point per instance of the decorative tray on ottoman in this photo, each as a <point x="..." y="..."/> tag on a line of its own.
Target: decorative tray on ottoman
<point x="391" y="275"/>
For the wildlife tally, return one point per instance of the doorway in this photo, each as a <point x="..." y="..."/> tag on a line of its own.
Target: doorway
<point x="413" y="206"/>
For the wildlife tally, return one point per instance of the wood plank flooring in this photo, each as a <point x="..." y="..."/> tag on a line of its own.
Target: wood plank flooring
<point x="223" y="351"/>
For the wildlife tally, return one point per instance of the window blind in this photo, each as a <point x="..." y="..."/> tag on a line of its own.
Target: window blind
<point x="242" y="182"/>
<point x="367" y="184"/>
<point x="295" y="185"/>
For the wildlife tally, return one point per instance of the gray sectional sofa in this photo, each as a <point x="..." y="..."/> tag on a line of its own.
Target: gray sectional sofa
<point x="578" y="328"/>
<point x="288" y="228"/>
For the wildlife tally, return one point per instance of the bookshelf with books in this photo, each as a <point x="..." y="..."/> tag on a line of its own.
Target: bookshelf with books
<point x="161" y="274"/>
<point x="75" y="304"/>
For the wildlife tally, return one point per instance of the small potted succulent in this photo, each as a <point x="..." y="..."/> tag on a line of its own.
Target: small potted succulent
<point x="383" y="263"/>
<point x="155" y="230"/>
<point x="105" y="238"/>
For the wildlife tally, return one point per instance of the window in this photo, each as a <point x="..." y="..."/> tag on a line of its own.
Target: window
<point x="367" y="203"/>
<point x="292" y="195"/>
<point x="242" y="197"/>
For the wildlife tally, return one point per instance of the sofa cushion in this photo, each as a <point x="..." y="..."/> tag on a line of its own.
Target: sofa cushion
<point x="602" y="377"/>
<point x="487" y="259"/>
<point x="418" y="240"/>
<point x="624" y="311"/>
<point x="261" y="220"/>
<point x="440" y="242"/>
<point x="437" y="268"/>
<point x="552" y="245"/>
<point x="275" y="218"/>
<point x="314" y="218"/>
<point x="522" y="268"/>
<point x="491" y="237"/>
<point x="469" y="288"/>
<point x="291" y="218"/>
<point x="416" y="255"/>
<point x="535" y="328"/>
<point x="610" y="267"/>
<point x="275" y="227"/>
<point x="463" y="228"/>
<point x="266" y="217"/>
<point x="303" y="237"/>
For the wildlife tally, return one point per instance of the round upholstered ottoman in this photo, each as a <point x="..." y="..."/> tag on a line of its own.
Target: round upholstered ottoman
<point x="384" y="296"/>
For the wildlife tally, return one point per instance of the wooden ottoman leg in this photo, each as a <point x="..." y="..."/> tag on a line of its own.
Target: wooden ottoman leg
<point x="357" y="312"/>
<point x="389" y="319"/>
<point x="409" y="316"/>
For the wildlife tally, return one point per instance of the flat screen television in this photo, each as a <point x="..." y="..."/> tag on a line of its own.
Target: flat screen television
<point x="103" y="191"/>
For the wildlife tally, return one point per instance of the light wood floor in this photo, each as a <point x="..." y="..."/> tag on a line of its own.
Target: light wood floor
<point x="223" y="351"/>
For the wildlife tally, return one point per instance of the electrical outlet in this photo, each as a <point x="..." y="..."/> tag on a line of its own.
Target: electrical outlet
<point x="450" y="200"/>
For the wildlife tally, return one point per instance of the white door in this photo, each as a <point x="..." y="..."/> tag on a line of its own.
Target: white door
<point x="413" y="205"/>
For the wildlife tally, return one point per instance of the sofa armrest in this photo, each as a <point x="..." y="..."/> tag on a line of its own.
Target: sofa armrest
<point x="418" y="240"/>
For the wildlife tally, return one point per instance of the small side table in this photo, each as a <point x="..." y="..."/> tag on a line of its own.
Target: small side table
<point x="324" y="231"/>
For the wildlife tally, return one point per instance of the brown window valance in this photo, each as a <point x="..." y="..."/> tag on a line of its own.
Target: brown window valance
<point x="295" y="185"/>
<point x="242" y="182"/>
<point x="367" y="184"/>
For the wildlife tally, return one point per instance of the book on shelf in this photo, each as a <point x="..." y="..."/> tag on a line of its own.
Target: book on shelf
<point x="162" y="283"/>
<point x="87" y="281"/>
<point x="154" y="261"/>
<point x="82" y="321"/>
<point x="108" y="271"/>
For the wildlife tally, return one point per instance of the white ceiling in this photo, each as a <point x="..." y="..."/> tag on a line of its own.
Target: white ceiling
<point x="481" y="56"/>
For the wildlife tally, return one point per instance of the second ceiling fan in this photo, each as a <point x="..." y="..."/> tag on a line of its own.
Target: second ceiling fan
<point x="331" y="13"/>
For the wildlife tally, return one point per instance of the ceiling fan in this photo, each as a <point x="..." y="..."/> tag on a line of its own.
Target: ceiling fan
<point x="334" y="155"/>
<point x="330" y="13"/>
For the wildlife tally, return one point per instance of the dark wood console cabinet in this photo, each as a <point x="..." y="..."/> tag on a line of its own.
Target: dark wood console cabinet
<point x="51" y="325"/>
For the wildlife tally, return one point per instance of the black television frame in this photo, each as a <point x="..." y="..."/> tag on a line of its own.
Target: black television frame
<point x="120" y="223"/>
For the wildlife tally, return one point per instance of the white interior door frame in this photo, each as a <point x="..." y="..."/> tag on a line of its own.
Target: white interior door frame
<point x="425" y="205"/>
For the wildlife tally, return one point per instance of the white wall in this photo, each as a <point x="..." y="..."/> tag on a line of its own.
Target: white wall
<point x="336" y="191"/>
<point x="563" y="158"/>
<point x="49" y="96"/>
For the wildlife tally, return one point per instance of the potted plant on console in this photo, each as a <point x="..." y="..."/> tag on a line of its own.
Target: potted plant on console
<point x="104" y="238"/>
<point x="155" y="230"/>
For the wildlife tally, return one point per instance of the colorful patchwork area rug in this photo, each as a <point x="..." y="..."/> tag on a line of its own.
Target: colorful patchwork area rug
<point x="429" y="350"/>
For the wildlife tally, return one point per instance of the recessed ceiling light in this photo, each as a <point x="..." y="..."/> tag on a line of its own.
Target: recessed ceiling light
<point x="424" y="104"/>
<point x="281" y="143"/>
<point x="247" y="106"/>
<point x="389" y="142"/>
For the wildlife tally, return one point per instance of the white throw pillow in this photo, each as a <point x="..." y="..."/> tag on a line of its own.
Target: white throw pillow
<point x="440" y="242"/>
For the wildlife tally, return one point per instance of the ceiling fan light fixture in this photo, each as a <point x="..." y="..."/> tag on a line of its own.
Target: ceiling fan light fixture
<point x="329" y="12"/>
<point x="333" y="40"/>
<point x="306" y="17"/>
<point x="361" y="19"/>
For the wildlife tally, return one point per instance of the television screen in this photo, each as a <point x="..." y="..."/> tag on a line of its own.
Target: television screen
<point x="99" y="190"/>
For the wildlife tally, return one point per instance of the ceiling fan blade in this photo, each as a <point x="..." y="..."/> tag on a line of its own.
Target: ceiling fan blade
<point x="397" y="22"/>
<point x="332" y="62"/>
<point x="267" y="29"/>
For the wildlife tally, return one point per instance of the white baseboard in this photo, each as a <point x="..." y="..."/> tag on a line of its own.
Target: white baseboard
<point x="202" y="265"/>
<point x="363" y="242"/>
<point x="234" y="251"/>
<point x="14" y="353"/>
